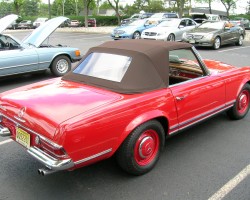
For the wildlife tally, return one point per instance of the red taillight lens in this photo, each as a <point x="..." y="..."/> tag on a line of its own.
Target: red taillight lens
<point x="57" y="152"/>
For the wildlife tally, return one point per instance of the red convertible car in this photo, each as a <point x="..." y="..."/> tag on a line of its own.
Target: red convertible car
<point x="124" y="98"/>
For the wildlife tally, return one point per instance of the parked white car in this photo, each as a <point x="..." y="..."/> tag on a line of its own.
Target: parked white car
<point x="39" y="22"/>
<point x="169" y="29"/>
<point x="158" y="17"/>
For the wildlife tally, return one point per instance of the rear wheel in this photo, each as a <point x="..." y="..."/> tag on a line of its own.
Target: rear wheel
<point x="136" y="35"/>
<point x="240" y="41"/>
<point x="171" y="37"/>
<point x="241" y="106"/>
<point x="61" y="65"/>
<point x="217" y="43"/>
<point x="139" y="153"/>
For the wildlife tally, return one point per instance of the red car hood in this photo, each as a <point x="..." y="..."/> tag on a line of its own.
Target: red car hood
<point x="49" y="103"/>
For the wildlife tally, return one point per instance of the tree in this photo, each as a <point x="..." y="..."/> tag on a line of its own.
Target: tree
<point x="115" y="6"/>
<point x="86" y="6"/>
<point x="229" y="4"/>
<point x="180" y="6"/>
<point x="29" y="8"/>
<point x="5" y="8"/>
<point x="17" y="6"/>
<point x="206" y="1"/>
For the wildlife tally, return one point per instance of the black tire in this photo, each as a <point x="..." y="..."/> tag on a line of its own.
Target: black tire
<point x="217" y="43"/>
<point x="60" y="65"/>
<point x="241" y="106"/>
<point x="240" y="41"/>
<point x="171" y="37"/>
<point x="140" y="151"/>
<point x="137" y="35"/>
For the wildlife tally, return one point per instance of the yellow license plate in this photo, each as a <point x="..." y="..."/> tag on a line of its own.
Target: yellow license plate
<point x="23" y="137"/>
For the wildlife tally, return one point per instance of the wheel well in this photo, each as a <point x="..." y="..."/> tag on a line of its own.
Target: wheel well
<point x="58" y="56"/>
<point x="164" y="123"/>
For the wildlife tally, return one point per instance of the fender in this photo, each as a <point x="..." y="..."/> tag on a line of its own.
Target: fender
<point x="137" y="122"/>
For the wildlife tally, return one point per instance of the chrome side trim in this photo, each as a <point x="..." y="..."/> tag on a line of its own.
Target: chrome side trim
<point x="49" y="161"/>
<point x="20" y="125"/>
<point x="200" y="117"/>
<point x="23" y="72"/>
<point x="16" y="66"/>
<point x="93" y="156"/>
<point x="19" y="119"/>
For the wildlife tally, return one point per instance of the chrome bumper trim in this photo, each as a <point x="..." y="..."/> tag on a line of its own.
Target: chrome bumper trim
<point x="49" y="161"/>
<point x="4" y="131"/>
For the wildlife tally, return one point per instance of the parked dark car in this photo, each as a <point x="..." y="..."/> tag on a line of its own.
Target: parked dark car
<point x="241" y="22"/>
<point x="92" y="22"/>
<point x="214" y="34"/>
<point x="25" y="24"/>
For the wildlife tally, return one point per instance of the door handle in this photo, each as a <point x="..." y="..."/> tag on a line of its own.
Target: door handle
<point x="180" y="98"/>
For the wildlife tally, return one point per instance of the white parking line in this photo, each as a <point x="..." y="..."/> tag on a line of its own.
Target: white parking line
<point x="230" y="185"/>
<point x="233" y="49"/>
<point x="6" y="141"/>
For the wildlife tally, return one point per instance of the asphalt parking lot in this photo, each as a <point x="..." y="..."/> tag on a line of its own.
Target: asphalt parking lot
<point x="208" y="161"/>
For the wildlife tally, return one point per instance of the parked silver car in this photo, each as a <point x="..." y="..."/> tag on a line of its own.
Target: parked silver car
<point x="214" y="34"/>
<point x="31" y="54"/>
<point x="169" y="29"/>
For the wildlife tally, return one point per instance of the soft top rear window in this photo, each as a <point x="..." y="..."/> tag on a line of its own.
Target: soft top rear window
<point x="106" y="66"/>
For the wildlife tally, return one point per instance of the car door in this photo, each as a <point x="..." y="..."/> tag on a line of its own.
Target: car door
<point x="227" y="34"/>
<point x="181" y="29"/>
<point x="15" y="59"/>
<point x="199" y="94"/>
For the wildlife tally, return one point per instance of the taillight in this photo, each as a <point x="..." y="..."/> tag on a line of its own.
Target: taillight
<point x="48" y="147"/>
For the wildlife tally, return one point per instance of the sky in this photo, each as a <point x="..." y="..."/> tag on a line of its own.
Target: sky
<point x="240" y="6"/>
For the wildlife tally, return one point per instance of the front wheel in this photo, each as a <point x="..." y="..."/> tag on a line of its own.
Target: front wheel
<point x="171" y="37"/>
<point x="240" y="41"/>
<point x="136" y="35"/>
<point x="60" y="65"/>
<point x="241" y="106"/>
<point x="139" y="153"/>
<point x="217" y="43"/>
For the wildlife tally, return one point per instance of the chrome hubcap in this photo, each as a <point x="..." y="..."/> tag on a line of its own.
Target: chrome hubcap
<point x="146" y="147"/>
<point x="217" y="43"/>
<point x="137" y="36"/>
<point x="62" y="66"/>
<point x="243" y="101"/>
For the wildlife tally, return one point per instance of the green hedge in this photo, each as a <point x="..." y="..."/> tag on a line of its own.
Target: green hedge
<point x="100" y="20"/>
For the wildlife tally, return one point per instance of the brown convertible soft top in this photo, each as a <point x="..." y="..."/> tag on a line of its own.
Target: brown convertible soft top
<point x="147" y="71"/>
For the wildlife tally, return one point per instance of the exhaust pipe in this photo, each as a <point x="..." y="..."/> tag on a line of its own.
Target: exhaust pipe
<point x="44" y="172"/>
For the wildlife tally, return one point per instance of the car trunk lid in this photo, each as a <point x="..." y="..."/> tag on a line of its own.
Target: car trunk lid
<point x="42" y="107"/>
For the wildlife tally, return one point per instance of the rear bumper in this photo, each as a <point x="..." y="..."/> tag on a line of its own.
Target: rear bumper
<point x="49" y="161"/>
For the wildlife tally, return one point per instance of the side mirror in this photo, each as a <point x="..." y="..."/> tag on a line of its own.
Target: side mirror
<point x="181" y="26"/>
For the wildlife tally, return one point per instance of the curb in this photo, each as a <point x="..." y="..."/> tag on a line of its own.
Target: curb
<point x="106" y="29"/>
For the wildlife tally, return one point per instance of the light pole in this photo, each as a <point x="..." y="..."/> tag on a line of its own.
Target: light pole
<point x="49" y="9"/>
<point x="76" y="1"/>
<point x="63" y="1"/>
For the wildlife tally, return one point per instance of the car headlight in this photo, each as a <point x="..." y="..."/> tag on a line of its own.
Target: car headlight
<point x="208" y="36"/>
